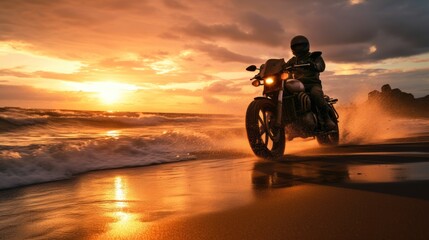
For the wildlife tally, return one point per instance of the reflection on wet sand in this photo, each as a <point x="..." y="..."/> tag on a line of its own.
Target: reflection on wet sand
<point x="125" y="223"/>
<point x="347" y="164"/>
<point x="131" y="203"/>
<point x="285" y="174"/>
<point x="380" y="173"/>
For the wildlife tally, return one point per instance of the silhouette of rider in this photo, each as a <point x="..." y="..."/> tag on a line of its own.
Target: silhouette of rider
<point x="309" y="76"/>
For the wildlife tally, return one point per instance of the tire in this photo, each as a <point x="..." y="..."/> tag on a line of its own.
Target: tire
<point x="265" y="141"/>
<point x="329" y="139"/>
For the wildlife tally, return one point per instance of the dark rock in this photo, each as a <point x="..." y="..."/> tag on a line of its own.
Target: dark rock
<point x="386" y="88"/>
<point x="400" y="103"/>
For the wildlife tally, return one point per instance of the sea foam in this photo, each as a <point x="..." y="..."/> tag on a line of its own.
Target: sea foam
<point x="46" y="145"/>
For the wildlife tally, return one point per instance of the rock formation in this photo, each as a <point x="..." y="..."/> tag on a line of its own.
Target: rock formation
<point x="398" y="102"/>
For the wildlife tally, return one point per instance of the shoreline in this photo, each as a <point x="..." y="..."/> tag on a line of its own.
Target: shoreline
<point x="376" y="153"/>
<point x="336" y="193"/>
<point x="307" y="212"/>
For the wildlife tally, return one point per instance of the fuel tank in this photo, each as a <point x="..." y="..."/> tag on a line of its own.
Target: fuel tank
<point x="294" y="86"/>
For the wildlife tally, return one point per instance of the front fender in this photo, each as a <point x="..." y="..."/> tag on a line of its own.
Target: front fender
<point x="256" y="98"/>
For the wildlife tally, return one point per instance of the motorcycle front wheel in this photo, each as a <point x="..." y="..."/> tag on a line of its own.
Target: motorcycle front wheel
<point x="265" y="139"/>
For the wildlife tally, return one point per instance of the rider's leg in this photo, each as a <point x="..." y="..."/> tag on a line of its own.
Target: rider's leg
<point x="316" y="95"/>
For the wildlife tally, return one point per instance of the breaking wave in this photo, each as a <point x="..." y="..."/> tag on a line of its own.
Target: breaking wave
<point x="17" y="118"/>
<point x="40" y="146"/>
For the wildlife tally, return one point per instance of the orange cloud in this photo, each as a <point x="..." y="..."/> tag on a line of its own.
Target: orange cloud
<point x="158" y="45"/>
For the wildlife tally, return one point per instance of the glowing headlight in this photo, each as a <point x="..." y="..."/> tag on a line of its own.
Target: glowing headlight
<point x="269" y="81"/>
<point x="284" y="76"/>
<point x="256" y="83"/>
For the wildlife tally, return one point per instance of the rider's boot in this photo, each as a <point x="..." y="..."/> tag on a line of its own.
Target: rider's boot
<point x="328" y="123"/>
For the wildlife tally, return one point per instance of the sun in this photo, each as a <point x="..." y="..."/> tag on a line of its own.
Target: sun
<point x="112" y="92"/>
<point x="109" y="96"/>
<point x="108" y="92"/>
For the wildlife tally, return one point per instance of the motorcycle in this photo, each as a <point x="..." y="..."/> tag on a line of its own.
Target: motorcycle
<point x="284" y="110"/>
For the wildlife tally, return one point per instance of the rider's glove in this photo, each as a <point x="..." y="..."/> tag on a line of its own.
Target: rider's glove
<point x="312" y="65"/>
<point x="317" y="66"/>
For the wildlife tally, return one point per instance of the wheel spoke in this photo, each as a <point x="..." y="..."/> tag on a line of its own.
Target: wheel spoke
<point x="270" y="133"/>
<point x="262" y="130"/>
<point x="261" y="125"/>
<point x="264" y="121"/>
<point x="264" y="127"/>
<point x="267" y="128"/>
<point x="266" y="139"/>
<point x="260" y="120"/>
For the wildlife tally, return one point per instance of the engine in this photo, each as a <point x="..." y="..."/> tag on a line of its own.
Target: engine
<point x="303" y="102"/>
<point x="306" y="119"/>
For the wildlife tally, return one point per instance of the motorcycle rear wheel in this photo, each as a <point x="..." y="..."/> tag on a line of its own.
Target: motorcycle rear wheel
<point x="329" y="139"/>
<point x="265" y="139"/>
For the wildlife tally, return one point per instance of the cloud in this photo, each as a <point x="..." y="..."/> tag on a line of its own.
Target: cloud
<point x="66" y="29"/>
<point x="346" y="31"/>
<point x="14" y="73"/>
<point x="222" y="54"/>
<point x="120" y="63"/>
<point x="223" y="87"/>
<point x="74" y="77"/>
<point x="355" y="87"/>
<point x="26" y="93"/>
<point x="174" y="4"/>
<point x="212" y="100"/>
<point x="131" y="41"/>
<point x="251" y="27"/>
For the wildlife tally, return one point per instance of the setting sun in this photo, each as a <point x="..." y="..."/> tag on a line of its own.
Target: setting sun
<point x="112" y="92"/>
<point x="108" y="92"/>
<point x="109" y="96"/>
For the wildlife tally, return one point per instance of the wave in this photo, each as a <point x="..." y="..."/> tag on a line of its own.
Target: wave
<point x="46" y="145"/>
<point x="17" y="118"/>
<point x="37" y="163"/>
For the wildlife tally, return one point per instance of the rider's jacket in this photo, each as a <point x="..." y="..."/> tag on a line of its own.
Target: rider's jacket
<point x="310" y="74"/>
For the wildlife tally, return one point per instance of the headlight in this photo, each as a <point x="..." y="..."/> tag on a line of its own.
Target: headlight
<point x="269" y="81"/>
<point x="284" y="76"/>
<point x="256" y="83"/>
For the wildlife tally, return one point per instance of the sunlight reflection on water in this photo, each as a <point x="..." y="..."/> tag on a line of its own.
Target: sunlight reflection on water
<point x="125" y="223"/>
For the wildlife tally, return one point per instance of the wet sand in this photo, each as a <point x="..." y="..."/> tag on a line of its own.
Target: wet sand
<point x="377" y="191"/>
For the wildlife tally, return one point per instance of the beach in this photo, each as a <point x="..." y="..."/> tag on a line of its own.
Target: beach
<point x="125" y="175"/>
<point x="217" y="120"/>
<point x="346" y="192"/>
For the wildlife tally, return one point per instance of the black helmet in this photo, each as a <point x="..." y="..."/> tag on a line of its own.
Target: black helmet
<point x="299" y="45"/>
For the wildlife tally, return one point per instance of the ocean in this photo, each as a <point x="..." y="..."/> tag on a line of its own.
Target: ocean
<point x="47" y="145"/>
<point x="214" y="172"/>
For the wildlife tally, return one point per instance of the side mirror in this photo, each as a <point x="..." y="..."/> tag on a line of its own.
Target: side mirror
<point x="251" y="68"/>
<point x="315" y="54"/>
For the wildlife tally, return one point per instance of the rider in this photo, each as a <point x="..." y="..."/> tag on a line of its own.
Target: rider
<point x="309" y="76"/>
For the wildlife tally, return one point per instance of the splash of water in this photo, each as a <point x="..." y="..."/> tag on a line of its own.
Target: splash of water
<point x="372" y="122"/>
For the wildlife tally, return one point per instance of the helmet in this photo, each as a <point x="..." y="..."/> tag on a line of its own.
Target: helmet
<point x="299" y="45"/>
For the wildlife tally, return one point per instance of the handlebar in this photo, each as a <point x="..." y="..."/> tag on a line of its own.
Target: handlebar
<point x="301" y="65"/>
<point x="256" y="77"/>
<point x="297" y="66"/>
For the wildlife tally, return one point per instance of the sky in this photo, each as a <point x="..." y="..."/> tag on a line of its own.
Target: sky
<point x="190" y="56"/>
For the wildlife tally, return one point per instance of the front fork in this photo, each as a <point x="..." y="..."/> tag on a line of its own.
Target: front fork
<point x="279" y="110"/>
